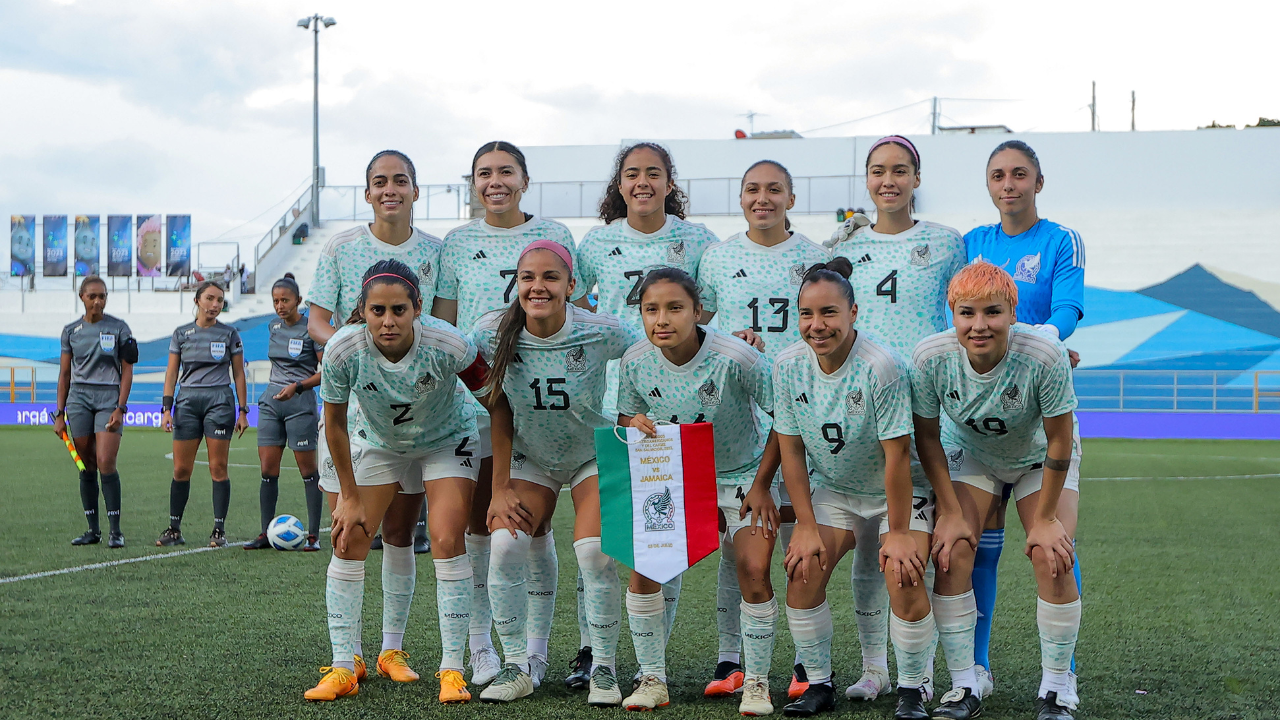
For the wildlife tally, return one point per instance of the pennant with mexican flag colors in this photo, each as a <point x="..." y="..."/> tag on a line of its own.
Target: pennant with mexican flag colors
<point x="658" y="498"/>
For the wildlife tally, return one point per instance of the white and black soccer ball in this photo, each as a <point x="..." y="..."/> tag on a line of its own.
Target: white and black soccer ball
<point x="286" y="532"/>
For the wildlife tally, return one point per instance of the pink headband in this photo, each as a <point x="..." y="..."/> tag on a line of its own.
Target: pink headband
<point x="391" y="275"/>
<point x="555" y="247"/>
<point x="899" y="140"/>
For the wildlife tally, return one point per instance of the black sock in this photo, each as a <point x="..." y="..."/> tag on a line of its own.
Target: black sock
<point x="420" y="533"/>
<point x="221" y="500"/>
<point x="178" y="494"/>
<point x="89" y="497"/>
<point x="111" y="493"/>
<point x="268" y="493"/>
<point x="315" y="501"/>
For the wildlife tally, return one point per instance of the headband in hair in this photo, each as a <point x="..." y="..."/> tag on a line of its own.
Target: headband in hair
<point x="899" y="140"/>
<point x="392" y="275"/>
<point x="555" y="247"/>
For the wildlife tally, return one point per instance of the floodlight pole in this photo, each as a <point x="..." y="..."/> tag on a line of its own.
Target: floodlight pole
<point x="313" y="24"/>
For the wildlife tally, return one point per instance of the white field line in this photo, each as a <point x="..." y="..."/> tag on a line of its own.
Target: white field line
<point x="169" y="456"/>
<point x="1188" y="477"/>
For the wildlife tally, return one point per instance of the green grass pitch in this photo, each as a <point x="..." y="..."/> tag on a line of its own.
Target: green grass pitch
<point x="1181" y="592"/>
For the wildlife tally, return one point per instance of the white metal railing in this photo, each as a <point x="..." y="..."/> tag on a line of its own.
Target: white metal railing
<point x="1212" y="391"/>
<point x="281" y="227"/>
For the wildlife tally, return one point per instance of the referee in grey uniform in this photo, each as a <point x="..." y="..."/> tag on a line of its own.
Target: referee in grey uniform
<point x="209" y="354"/>
<point x="287" y="411"/>
<point x="94" y="379"/>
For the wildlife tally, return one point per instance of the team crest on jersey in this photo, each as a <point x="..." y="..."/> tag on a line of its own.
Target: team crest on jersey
<point x="796" y="275"/>
<point x="920" y="255"/>
<point x="424" y="272"/>
<point x="1027" y="269"/>
<point x="425" y="384"/>
<point x="855" y="403"/>
<point x="517" y="460"/>
<point x="107" y="342"/>
<point x="327" y="470"/>
<point x="709" y="394"/>
<point x="955" y="460"/>
<point x="660" y="512"/>
<point x="575" y="360"/>
<point x="356" y="454"/>
<point x="295" y="347"/>
<point x="218" y="350"/>
<point x="1011" y="398"/>
<point x="675" y="252"/>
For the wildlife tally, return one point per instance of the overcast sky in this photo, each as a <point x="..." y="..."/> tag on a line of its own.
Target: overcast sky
<point x="204" y="106"/>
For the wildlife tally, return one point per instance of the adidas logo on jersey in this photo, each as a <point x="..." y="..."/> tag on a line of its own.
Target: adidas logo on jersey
<point x="864" y="259"/>
<point x="740" y="274"/>
<point x="803" y="398"/>
<point x="954" y="395"/>
<point x="709" y="394"/>
<point x="480" y="256"/>
<point x="616" y="251"/>
<point x="466" y="463"/>
<point x="655" y="393"/>
<point x="1011" y="398"/>
<point x="517" y="358"/>
<point x="370" y="387"/>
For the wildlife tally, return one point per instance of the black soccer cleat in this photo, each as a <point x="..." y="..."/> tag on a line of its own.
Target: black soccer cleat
<point x="259" y="543"/>
<point x="1047" y="708"/>
<point x="818" y="698"/>
<point x="169" y="538"/>
<point x="376" y="543"/>
<point x="115" y="540"/>
<point x="421" y="544"/>
<point x="579" y="675"/>
<point x="958" y="704"/>
<point x="910" y="705"/>
<point x="312" y="544"/>
<point x="218" y="538"/>
<point x="88" y="538"/>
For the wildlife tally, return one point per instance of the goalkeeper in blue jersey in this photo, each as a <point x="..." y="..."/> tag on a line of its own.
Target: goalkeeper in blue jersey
<point x="1046" y="261"/>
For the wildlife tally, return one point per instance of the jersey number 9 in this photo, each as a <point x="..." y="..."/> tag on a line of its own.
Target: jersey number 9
<point x="834" y="434"/>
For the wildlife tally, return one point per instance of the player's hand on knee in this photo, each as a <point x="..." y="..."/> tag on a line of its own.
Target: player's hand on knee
<point x="759" y="503"/>
<point x="805" y="544"/>
<point x="641" y="422"/>
<point x="898" y="555"/>
<point x="348" y="516"/>
<point x="948" y="530"/>
<point x="506" y="511"/>
<point x="1052" y="539"/>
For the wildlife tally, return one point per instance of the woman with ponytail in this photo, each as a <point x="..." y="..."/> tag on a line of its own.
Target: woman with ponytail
<point x="547" y="387"/>
<point x="287" y="411"/>
<point x="413" y="436"/>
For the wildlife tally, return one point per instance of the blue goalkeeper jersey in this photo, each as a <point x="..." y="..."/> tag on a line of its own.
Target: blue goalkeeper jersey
<point x="1046" y="262"/>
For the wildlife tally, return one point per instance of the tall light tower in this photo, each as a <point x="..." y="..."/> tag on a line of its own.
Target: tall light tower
<point x="313" y="24"/>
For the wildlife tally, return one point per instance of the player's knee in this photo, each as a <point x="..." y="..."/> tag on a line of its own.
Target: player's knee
<point x="590" y="558"/>
<point x="182" y="474"/>
<point x="910" y="603"/>
<point x="447" y="544"/>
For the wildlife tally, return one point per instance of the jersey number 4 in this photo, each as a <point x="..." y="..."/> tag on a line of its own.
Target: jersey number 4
<point x="888" y="287"/>
<point x="781" y="307"/>
<point x="553" y="391"/>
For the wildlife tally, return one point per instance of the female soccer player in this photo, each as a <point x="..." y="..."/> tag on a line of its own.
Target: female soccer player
<point x="413" y="433"/>
<point x="644" y="211"/>
<point x="1007" y="391"/>
<point x="549" y="361"/>
<point x="287" y="411"/>
<point x="478" y="275"/>
<point x="843" y="410"/>
<point x="688" y="373"/>
<point x="94" y="379"/>
<point x="901" y="267"/>
<point x="209" y="356"/>
<point x="1047" y="263"/>
<point x="748" y="281"/>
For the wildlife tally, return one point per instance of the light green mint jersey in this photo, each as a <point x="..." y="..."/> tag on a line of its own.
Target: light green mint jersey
<point x="555" y="385"/>
<point x="752" y="286"/>
<point x="616" y="258"/>
<point x="406" y="406"/>
<point x="478" y="264"/>
<point x="900" y="281"/>
<point x="723" y="384"/>
<point x="347" y="256"/>
<point x="997" y="416"/>
<point x="842" y="417"/>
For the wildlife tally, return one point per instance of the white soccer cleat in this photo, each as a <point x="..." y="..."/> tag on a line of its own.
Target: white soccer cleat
<point x="485" y="665"/>
<point x="604" y="688"/>
<point x="537" y="669"/>
<point x="512" y="683"/>
<point x="986" y="682"/>
<point x="755" y="698"/>
<point x="651" y="694"/>
<point x="873" y="683"/>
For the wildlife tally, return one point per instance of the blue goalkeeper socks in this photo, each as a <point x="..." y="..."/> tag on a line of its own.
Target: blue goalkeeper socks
<point x="985" y="563"/>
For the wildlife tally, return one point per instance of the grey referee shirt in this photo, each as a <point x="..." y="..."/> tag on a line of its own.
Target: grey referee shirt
<point x="95" y="350"/>
<point x="292" y="352"/>
<point x="206" y="353"/>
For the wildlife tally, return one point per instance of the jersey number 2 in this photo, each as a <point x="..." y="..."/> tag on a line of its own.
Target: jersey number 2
<point x="404" y="415"/>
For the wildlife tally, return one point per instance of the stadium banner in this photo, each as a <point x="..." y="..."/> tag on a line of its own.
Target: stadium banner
<point x="141" y="415"/>
<point x="88" y="245"/>
<point x="55" y="245"/>
<point x="150" y="246"/>
<point x="178" y="233"/>
<point x="658" y="498"/>
<point x="119" y="245"/>
<point x="22" y="245"/>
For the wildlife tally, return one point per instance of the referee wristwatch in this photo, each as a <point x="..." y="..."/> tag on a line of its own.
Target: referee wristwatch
<point x="244" y="409"/>
<point x="122" y="408"/>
